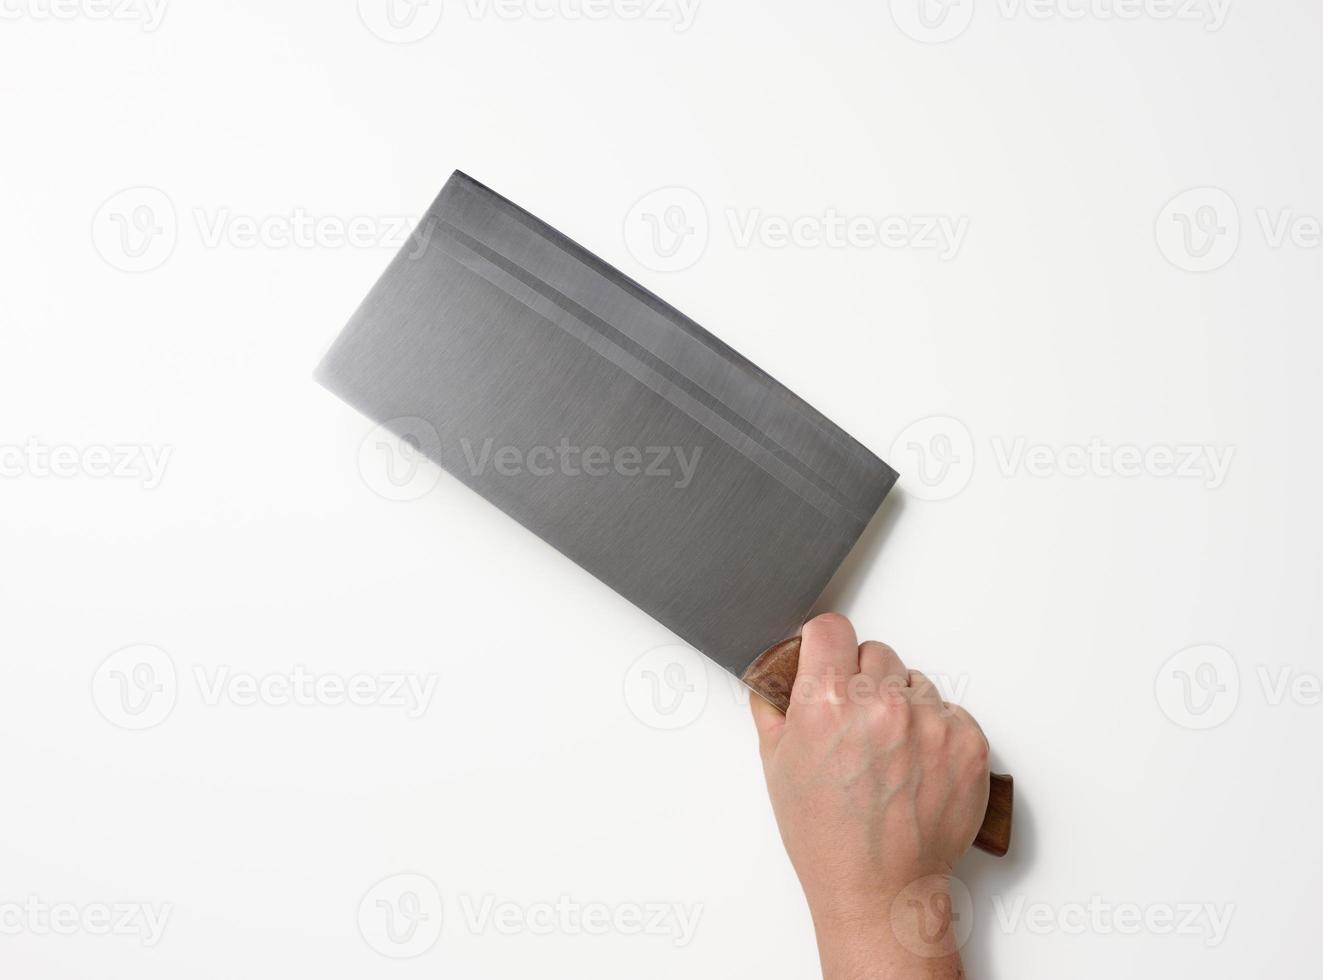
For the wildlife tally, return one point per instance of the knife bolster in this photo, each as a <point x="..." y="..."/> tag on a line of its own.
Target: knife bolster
<point x="772" y="677"/>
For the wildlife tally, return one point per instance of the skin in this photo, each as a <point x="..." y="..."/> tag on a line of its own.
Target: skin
<point x="878" y="788"/>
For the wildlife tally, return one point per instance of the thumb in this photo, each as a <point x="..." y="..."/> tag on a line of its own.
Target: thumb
<point x="770" y="723"/>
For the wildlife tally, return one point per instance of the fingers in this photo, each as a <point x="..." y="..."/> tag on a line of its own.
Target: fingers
<point x="770" y="724"/>
<point x="882" y="663"/>
<point x="828" y="659"/>
<point x="829" y="648"/>
<point x="923" y="692"/>
<point x="829" y="662"/>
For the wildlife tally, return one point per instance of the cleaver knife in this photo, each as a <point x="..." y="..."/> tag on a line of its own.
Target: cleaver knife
<point x="619" y="431"/>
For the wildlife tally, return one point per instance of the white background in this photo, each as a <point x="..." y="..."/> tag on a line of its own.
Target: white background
<point x="1050" y="597"/>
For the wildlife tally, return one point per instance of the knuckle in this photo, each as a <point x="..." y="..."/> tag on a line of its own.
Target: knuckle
<point x="930" y="697"/>
<point x="934" y="729"/>
<point x="897" y="712"/>
<point x="885" y="718"/>
<point x="974" y="748"/>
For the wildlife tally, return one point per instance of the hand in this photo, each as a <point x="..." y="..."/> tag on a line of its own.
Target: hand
<point x="878" y="788"/>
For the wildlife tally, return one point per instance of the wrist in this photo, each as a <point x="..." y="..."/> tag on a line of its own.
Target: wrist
<point x="914" y="931"/>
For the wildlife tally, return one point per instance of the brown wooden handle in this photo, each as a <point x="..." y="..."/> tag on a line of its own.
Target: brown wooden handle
<point x="772" y="676"/>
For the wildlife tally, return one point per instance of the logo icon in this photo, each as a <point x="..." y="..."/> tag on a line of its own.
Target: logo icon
<point x="935" y="456"/>
<point x="933" y="21"/>
<point x="135" y="688"/>
<point x="136" y="230"/>
<point x="401" y="916"/>
<point x="1199" y="229"/>
<point x="667" y="688"/>
<point x="393" y="459"/>
<point x="934" y="916"/>
<point x="401" y="21"/>
<point x="1199" y="687"/>
<point x="667" y="230"/>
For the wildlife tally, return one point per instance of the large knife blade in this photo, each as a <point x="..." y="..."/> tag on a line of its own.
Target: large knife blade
<point x="612" y="426"/>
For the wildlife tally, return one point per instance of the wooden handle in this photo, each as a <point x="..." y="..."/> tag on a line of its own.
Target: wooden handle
<point x="772" y="676"/>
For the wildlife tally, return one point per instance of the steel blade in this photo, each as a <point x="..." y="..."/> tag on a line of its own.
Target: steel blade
<point x="521" y="352"/>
